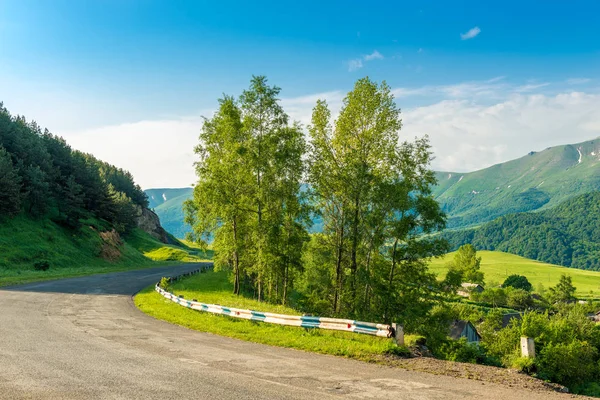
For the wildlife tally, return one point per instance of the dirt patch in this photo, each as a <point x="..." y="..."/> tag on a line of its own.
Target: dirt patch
<point x="110" y="250"/>
<point x="483" y="373"/>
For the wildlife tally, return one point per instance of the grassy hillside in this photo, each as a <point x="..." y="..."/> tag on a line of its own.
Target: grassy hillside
<point x="568" y="234"/>
<point x="497" y="266"/>
<point x="24" y="241"/>
<point x="168" y="203"/>
<point x="536" y="181"/>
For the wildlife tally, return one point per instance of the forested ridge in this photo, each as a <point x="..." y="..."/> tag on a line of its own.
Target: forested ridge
<point x="43" y="177"/>
<point x="568" y="234"/>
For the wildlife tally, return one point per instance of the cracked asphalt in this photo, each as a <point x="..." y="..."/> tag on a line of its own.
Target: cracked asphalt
<point x="83" y="338"/>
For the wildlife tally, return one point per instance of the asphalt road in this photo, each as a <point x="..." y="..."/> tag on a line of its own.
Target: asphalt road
<point x="83" y="338"/>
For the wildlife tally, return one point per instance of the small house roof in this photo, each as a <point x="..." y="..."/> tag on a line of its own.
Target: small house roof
<point x="506" y="318"/>
<point x="458" y="326"/>
<point x="470" y="285"/>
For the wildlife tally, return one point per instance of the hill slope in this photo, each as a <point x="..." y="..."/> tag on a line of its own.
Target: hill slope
<point x="168" y="205"/>
<point x="497" y="266"/>
<point x="537" y="181"/>
<point x="568" y="234"/>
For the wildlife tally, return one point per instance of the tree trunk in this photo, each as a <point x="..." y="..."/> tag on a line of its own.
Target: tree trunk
<point x="338" y="268"/>
<point x="391" y="279"/>
<point x="236" y="261"/>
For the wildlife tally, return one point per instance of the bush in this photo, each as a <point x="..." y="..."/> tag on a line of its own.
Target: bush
<point x="164" y="283"/>
<point x="42" y="265"/>
<point x="569" y="364"/>
<point x="518" y="282"/>
<point x="524" y="364"/>
<point x="519" y="299"/>
<point x="463" y="351"/>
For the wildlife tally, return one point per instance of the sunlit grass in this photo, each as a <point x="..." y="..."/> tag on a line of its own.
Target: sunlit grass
<point x="215" y="288"/>
<point x="497" y="266"/>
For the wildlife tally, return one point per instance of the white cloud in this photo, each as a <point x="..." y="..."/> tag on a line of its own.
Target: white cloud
<point x="353" y="65"/>
<point x="357" y="63"/>
<point x="470" y="34"/>
<point x="158" y="153"/>
<point x="375" y="55"/>
<point x="577" y="81"/>
<point x="467" y="135"/>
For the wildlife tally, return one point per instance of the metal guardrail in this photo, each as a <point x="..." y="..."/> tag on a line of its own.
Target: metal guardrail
<point x="346" y="325"/>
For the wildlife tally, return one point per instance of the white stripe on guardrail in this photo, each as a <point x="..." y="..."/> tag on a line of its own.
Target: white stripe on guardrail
<point x="304" y="321"/>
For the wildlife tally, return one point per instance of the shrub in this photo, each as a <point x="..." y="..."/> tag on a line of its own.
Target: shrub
<point x="463" y="351"/>
<point x="519" y="299"/>
<point x="569" y="364"/>
<point x="524" y="364"/>
<point x="41" y="265"/>
<point x="164" y="283"/>
<point x="518" y="282"/>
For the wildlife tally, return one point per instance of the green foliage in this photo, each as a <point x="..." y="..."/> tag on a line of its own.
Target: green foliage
<point x="518" y="299"/>
<point x="10" y="184"/>
<point x="248" y="195"/>
<point x="42" y="176"/>
<point x="567" y="234"/>
<point x="462" y="351"/>
<point x="518" y="282"/>
<point x="569" y="363"/>
<point x="564" y="291"/>
<point x="465" y="267"/>
<point x="373" y="196"/>
<point x="566" y="343"/>
<point x="164" y="283"/>
<point x="42" y="265"/>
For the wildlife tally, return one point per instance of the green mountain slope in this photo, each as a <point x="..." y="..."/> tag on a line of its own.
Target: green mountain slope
<point x="24" y="241"/>
<point x="168" y="205"/>
<point x="568" y="234"/>
<point x="536" y="181"/>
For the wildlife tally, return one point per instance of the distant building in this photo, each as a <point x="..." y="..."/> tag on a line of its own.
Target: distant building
<point x="462" y="328"/>
<point x="594" y="316"/>
<point x="467" y="288"/>
<point x="506" y="318"/>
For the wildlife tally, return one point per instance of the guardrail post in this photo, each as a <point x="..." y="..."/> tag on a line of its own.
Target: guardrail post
<point x="527" y="347"/>
<point x="398" y="334"/>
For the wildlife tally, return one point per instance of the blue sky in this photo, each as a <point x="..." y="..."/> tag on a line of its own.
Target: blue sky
<point x="104" y="72"/>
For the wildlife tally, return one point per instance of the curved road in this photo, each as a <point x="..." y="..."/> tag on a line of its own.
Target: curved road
<point x="82" y="338"/>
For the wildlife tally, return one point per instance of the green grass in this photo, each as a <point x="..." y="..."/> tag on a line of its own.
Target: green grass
<point x="497" y="266"/>
<point x="23" y="241"/>
<point x="215" y="288"/>
<point x="180" y="251"/>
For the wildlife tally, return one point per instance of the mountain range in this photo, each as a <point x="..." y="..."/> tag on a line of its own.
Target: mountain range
<point x="538" y="181"/>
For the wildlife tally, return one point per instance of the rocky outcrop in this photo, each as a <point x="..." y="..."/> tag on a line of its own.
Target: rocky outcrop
<point x="149" y="222"/>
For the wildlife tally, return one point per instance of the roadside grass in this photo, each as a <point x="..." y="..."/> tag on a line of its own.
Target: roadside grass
<point x="497" y="266"/>
<point x="24" y="241"/>
<point x="215" y="288"/>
